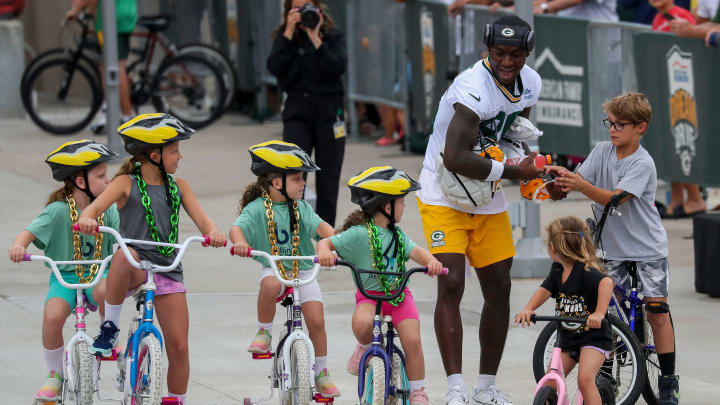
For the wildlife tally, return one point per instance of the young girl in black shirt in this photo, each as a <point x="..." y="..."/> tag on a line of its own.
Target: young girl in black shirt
<point x="578" y="282"/>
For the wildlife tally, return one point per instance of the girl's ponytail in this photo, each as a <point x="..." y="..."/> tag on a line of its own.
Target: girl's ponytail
<point x="570" y="239"/>
<point x="255" y="190"/>
<point x="63" y="192"/>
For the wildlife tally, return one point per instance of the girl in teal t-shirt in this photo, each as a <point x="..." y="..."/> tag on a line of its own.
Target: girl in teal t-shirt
<point x="274" y="218"/>
<point x="81" y="166"/>
<point x="371" y="240"/>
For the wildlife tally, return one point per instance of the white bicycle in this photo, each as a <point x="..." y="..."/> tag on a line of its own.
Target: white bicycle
<point x="294" y="355"/>
<point x="80" y="374"/>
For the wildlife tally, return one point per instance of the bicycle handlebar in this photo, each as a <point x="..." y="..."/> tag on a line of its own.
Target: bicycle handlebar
<point x="122" y="242"/>
<point x="568" y="319"/>
<point x="610" y="209"/>
<point x="58" y="274"/>
<point x="296" y="282"/>
<point x="405" y="277"/>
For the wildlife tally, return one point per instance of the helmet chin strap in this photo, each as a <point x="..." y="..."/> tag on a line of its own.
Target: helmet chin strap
<point x="392" y="229"/>
<point x="163" y="174"/>
<point x="290" y="203"/>
<point x="86" y="189"/>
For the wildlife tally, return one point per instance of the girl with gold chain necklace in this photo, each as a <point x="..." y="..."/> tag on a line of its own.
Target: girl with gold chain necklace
<point x="274" y="218"/>
<point x="372" y="240"/>
<point x="148" y="198"/>
<point x="81" y="166"/>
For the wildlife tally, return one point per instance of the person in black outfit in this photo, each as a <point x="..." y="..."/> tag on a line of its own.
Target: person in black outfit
<point x="581" y="289"/>
<point x="309" y="63"/>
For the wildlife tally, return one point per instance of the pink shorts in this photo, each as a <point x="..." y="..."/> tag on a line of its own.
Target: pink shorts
<point x="163" y="286"/>
<point x="405" y="310"/>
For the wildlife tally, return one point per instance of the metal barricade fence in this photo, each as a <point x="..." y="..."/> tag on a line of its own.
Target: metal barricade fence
<point x="377" y="64"/>
<point x="611" y="69"/>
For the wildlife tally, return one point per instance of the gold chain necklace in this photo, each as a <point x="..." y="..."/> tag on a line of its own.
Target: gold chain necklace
<point x="77" y="244"/>
<point x="270" y="216"/>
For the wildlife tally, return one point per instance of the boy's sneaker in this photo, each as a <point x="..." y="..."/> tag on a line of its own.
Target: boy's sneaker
<point x="261" y="342"/>
<point x="325" y="385"/>
<point x="669" y="387"/>
<point x="419" y="397"/>
<point x="489" y="396"/>
<point x="456" y="395"/>
<point x="353" y="364"/>
<point x="106" y="340"/>
<point x="50" y="388"/>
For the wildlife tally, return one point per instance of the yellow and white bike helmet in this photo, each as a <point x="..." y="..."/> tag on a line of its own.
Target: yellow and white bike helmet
<point x="150" y="131"/>
<point x="378" y="185"/>
<point x="279" y="157"/>
<point x="73" y="156"/>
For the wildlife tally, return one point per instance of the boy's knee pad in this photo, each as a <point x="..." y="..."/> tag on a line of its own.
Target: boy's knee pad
<point x="657" y="307"/>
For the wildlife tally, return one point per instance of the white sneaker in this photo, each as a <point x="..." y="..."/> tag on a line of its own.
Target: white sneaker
<point x="456" y="395"/>
<point x="489" y="396"/>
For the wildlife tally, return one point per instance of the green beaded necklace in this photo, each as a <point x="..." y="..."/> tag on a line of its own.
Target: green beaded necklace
<point x="150" y="217"/>
<point x="388" y="283"/>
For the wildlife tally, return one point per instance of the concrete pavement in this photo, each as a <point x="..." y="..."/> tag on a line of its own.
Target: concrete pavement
<point x="222" y="289"/>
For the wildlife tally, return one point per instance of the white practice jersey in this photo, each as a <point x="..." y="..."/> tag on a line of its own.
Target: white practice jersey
<point x="477" y="89"/>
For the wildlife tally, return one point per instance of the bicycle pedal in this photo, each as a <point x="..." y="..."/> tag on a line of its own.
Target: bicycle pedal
<point x="321" y="399"/>
<point x="171" y="401"/>
<point x="262" y="356"/>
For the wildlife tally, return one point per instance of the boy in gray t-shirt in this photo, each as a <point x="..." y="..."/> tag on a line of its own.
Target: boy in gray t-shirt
<point x="638" y="235"/>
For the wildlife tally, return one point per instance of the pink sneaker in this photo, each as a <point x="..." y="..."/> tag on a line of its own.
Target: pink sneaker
<point x="353" y="365"/>
<point x="325" y="385"/>
<point x="49" y="390"/>
<point x="419" y="397"/>
<point x="261" y="343"/>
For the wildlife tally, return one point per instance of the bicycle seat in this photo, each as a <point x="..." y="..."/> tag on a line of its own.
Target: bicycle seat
<point x="155" y="23"/>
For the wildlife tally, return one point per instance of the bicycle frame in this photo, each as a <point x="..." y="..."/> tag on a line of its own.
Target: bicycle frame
<point x="147" y="292"/>
<point x="80" y="309"/>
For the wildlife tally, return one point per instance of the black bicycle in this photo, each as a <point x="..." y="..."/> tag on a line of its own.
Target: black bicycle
<point x="61" y="88"/>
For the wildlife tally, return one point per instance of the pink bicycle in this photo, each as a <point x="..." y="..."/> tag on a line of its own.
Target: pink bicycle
<point x="623" y="346"/>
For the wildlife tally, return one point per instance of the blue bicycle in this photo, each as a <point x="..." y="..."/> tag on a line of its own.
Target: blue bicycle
<point x="141" y="365"/>
<point x="627" y="306"/>
<point x="384" y="380"/>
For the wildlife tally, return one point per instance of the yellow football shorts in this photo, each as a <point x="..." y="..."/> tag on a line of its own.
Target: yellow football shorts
<point x="484" y="239"/>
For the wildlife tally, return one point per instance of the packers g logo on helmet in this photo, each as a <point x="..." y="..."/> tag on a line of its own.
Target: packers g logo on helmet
<point x="72" y="156"/>
<point x="151" y="131"/>
<point x="279" y="157"/>
<point x="536" y="190"/>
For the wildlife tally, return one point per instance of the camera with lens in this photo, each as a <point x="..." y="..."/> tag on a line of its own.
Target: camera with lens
<point x="309" y="15"/>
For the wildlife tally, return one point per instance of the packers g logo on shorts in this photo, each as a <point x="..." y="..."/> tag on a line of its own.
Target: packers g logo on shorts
<point x="437" y="238"/>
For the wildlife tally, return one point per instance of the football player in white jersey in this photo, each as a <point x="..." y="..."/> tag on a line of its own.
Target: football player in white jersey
<point x="481" y="104"/>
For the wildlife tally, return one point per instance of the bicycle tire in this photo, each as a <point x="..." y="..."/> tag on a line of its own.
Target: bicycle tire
<point x="59" y="53"/>
<point x="149" y="368"/>
<point x="215" y="55"/>
<point x="192" y="92"/>
<point x="84" y="381"/>
<point x="650" y="393"/>
<point x="374" y="390"/>
<point x="638" y="373"/>
<point x="399" y="380"/>
<point x="300" y="377"/>
<point x="545" y="396"/>
<point x="30" y="97"/>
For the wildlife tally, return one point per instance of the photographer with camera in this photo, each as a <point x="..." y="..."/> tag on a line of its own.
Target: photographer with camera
<point x="309" y="58"/>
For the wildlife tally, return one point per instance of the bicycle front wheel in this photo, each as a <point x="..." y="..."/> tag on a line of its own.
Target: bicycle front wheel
<point x="148" y="388"/>
<point x="220" y="60"/>
<point x="300" y="379"/>
<point x="625" y="368"/>
<point x="61" y="96"/>
<point x="545" y="396"/>
<point x="400" y="382"/>
<point x="191" y="89"/>
<point x="84" y="381"/>
<point x="374" y="389"/>
<point x="651" y="392"/>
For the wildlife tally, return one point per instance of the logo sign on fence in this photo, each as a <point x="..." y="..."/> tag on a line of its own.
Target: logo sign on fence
<point x="428" y="60"/>
<point x="683" y="114"/>
<point x="561" y="98"/>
